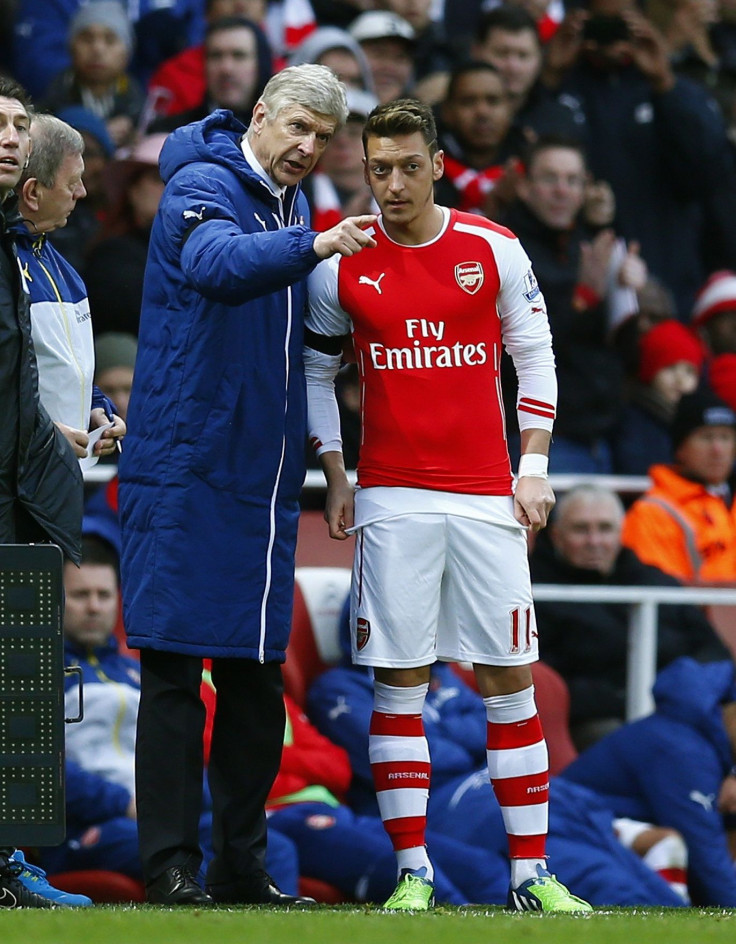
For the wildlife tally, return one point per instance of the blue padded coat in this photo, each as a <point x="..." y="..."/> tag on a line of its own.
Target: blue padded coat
<point x="213" y="462"/>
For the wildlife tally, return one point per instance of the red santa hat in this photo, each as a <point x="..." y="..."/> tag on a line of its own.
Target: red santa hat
<point x="666" y="344"/>
<point x="718" y="294"/>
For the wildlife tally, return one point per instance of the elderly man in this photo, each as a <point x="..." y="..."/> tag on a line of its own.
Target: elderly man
<point x="587" y="642"/>
<point x="212" y="471"/>
<point x="50" y="185"/>
<point x="686" y="523"/>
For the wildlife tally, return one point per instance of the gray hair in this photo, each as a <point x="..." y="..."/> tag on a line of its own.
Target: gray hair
<point x="313" y="86"/>
<point x="53" y="141"/>
<point x="590" y="492"/>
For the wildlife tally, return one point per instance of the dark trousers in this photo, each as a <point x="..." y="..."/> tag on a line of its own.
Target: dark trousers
<point x="245" y="753"/>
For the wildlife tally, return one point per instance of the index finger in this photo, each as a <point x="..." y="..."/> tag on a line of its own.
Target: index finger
<point x="364" y="220"/>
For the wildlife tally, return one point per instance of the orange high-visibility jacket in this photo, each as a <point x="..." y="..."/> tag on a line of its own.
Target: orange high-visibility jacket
<point x="680" y="527"/>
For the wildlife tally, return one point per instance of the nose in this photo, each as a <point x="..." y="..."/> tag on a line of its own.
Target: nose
<point x="396" y="180"/>
<point x="307" y="144"/>
<point x="9" y="135"/>
<point x="80" y="191"/>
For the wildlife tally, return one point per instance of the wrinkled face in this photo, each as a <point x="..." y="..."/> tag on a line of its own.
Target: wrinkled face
<point x="401" y="173"/>
<point x="391" y="64"/>
<point x="91" y="608"/>
<point x="517" y="56"/>
<point x="675" y="381"/>
<point x="116" y="383"/>
<point x="479" y="112"/>
<point x="99" y="56"/>
<point x="56" y="203"/>
<point x="15" y="143"/>
<point x="554" y="187"/>
<point x="231" y="67"/>
<point x="587" y="533"/>
<point x="290" y="143"/>
<point x="708" y="454"/>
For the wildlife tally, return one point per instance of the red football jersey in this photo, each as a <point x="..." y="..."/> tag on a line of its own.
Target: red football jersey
<point x="428" y="325"/>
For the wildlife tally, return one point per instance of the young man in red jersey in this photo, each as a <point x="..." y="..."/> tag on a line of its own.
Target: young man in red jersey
<point x="440" y="566"/>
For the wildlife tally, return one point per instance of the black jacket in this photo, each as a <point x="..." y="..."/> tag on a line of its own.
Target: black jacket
<point x="589" y="370"/>
<point x="587" y="642"/>
<point x="38" y="468"/>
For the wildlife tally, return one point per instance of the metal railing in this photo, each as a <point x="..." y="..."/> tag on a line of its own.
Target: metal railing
<point x="642" y="642"/>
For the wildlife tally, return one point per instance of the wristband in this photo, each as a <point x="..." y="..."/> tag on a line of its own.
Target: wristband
<point x="534" y="464"/>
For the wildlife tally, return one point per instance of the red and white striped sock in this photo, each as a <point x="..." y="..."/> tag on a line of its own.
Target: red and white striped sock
<point x="399" y="757"/>
<point x="518" y="765"/>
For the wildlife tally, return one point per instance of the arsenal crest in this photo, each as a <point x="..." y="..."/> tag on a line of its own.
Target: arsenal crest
<point x="469" y="276"/>
<point x="362" y="633"/>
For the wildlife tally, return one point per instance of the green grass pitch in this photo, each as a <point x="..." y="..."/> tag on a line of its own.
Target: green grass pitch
<point x="348" y="924"/>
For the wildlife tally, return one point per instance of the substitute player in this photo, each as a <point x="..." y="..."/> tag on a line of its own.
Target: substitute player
<point x="440" y="567"/>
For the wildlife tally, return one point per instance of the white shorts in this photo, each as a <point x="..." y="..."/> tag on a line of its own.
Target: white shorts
<point x="440" y="586"/>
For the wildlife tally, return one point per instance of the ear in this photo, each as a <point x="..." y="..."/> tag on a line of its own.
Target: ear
<point x="30" y="194"/>
<point x="438" y="165"/>
<point x="258" y="118"/>
<point x="366" y="176"/>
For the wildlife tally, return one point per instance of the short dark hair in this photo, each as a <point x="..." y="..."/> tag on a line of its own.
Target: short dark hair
<point x="97" y="551"/>
<point x="548" y="142"/>
<point x="402" y="116"/>
<point x="467" y="68"/>
<point x="511" y="19"/>
<point x="9" y="88"/>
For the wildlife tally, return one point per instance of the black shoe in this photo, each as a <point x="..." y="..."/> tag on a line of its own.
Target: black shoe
<point x="176" y="886"/>
<point x="256" y="889"/>
<point x="13" y="894"/>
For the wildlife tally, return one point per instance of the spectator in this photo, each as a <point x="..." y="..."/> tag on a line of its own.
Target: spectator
<point x="714" y="313"/>
<point x="480" y="145"/>
<point x="337" y="188"/>
<point x="587" y="642"/>
<point x="116" y="262"/>
<point x="388" y="42"/>
<point x="670" y="361"/>
<point x="49" y="188"/>
<point x="336" y="49"/>
<point x="100" y="750"/>
<point x="694" y="43"/>
<point x="677" y="164"/>
<point x="114" y="364"/>
<point x="40" y="480"/>
<point x="676" y="767"/>
<point x="574" y="264"/>
<point x="508" y="38"/>
<point x="237" y="65"/>
<point x="82" y="229"/>
<point x="101" y="44"/>
<point x="722" y="378"/>
<point x="179" y="83"/>
<point x="223" y="296"/>
<point x="462" y="806"/>
<point x="40" y="49"/>
<point x="434" y="56"/>
<point x="685" y="524"/>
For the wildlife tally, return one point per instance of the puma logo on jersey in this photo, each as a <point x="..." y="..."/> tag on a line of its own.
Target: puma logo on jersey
<point x="706" y="801"/>
<point x="364" y="280"/>
<point x="193" y="215"/>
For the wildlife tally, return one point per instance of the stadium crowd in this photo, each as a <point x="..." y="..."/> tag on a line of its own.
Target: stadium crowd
<point x="603" y="134"/>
